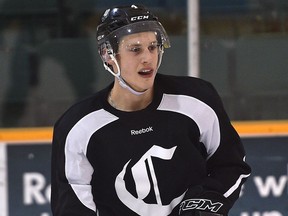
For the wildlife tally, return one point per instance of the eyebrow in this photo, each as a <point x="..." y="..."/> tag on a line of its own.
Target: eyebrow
<point x="139" y="44"/>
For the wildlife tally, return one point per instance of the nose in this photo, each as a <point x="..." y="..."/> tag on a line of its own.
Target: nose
<point x="147" y="56"/>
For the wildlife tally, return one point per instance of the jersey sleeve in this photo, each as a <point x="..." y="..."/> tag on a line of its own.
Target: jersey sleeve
<point x="71" y="193"/>
<point x="226" y="166"/>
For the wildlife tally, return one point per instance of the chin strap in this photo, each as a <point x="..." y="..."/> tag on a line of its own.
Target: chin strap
<point x="122" y="82"/>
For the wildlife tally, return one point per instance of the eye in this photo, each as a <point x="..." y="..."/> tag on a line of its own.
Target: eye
<point x="135" y="49"/>
<point x="153" y="47"/>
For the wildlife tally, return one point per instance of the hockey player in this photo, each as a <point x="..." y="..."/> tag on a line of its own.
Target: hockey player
<point x="148" y="144"/>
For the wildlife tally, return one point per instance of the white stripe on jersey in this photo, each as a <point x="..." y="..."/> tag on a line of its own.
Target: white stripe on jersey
<point x="204" y="116"/>
<point x="237" y="184"/>
<point x="77" y="167"/>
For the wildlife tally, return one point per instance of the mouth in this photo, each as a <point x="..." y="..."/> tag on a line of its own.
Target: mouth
<point x="146" y="72"/>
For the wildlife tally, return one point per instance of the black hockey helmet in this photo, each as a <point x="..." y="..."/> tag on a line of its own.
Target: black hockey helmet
<point x="124" y="20"/>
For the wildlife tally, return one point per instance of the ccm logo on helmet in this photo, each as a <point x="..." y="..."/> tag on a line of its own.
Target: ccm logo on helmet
<point x="139" y="18"/>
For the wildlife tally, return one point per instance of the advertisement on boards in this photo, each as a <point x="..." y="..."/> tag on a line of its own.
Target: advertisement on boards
<point x="29" y="179"/>
<point x="266" y="191"/>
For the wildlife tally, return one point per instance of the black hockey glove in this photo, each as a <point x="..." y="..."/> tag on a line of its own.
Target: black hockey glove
<point x="198" y="202"/>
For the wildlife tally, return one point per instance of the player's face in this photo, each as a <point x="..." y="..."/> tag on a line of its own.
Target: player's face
<point x="138" y="57"/>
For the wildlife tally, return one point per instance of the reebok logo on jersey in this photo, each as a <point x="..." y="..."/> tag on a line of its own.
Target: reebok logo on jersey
<point x="142" y="131"/>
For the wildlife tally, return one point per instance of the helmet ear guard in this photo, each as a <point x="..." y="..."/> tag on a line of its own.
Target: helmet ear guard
<point x="105" y="52"/>
<point x="108" y="56"/>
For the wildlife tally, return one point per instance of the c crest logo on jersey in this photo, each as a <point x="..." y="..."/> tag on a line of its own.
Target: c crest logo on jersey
<point x="144" y="185"/>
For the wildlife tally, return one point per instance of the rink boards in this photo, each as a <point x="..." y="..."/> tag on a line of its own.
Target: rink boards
<point x="25" y="170"/>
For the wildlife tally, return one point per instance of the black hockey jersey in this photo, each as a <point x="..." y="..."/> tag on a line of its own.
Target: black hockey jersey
<point x="113" y="163"/>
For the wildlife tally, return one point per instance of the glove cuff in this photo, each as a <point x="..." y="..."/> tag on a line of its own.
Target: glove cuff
<point x="201" y="213"/>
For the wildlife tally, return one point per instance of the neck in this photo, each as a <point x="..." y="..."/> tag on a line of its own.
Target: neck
<point x="124" y="100"/>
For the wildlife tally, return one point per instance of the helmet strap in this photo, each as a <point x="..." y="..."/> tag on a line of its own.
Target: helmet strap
<point x="122" y="82"/>
<point x="161" y="52"/>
